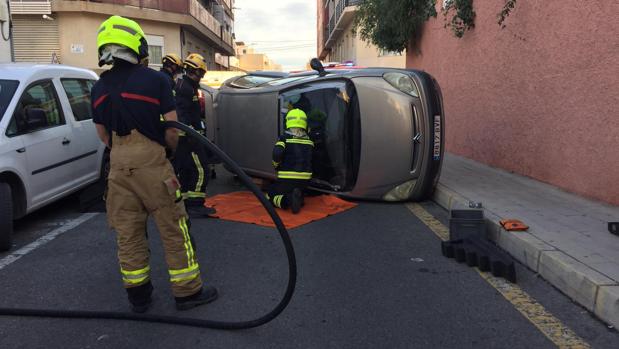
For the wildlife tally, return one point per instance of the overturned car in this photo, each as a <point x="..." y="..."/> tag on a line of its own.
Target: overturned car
<point x="378" y="132"/>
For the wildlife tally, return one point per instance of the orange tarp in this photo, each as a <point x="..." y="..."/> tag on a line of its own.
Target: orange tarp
<point x="243" y="206"/>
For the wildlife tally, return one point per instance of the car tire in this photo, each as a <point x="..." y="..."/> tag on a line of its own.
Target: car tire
<point x="6" y="216"/>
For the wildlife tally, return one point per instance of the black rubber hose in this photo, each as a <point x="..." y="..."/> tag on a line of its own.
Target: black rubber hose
<point x="223" y="325"/>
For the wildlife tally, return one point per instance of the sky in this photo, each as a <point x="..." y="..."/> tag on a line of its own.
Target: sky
<point x="285" y="30"/>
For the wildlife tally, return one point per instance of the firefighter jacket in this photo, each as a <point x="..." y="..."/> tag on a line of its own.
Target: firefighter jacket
<point x="292" y="157"/>
<point x="187" y="103"/>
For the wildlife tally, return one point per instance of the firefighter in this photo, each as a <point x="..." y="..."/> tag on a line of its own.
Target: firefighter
<point x="292" y="158"/>
<point x="127" y="103"/>
<point x="171" y="67"/>
<point x="190" y="159"/>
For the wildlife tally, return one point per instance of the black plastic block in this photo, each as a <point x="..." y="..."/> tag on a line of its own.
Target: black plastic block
<point x="484" y="263"/>
<point x="460" y="254"/>
<point x="471" y="259"/>
<point x="466" y="224"/>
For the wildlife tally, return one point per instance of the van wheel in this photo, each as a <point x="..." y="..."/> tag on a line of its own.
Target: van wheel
<point x="6" y="216"/>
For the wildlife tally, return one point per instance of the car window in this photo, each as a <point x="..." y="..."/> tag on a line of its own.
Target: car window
<point x="7" y="90"/>
<point x="78" y="92"/>
<point x="249" y="81"/>
<point x="40" y="96"/>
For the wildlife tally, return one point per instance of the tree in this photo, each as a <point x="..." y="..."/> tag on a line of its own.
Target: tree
<point x="392" y="24"/>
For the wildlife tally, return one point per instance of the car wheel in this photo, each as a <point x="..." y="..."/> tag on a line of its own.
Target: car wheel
<point x="6" y="216"/>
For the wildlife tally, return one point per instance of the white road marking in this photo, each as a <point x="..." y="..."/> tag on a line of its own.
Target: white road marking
<point x="45" y="239"/>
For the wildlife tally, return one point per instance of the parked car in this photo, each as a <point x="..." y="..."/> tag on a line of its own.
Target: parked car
<point x="378" y="132"/>
<point x="48" y="143"/>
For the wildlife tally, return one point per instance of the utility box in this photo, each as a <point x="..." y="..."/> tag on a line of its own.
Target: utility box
<point x="467" y="224"/>
<point x="5" y="32"/>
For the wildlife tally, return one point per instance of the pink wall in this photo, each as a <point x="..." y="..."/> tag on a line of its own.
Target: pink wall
<point x="540" y="97"/>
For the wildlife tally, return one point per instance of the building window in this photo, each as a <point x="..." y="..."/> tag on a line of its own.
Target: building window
<point x="382" y="53"/>
<point x="156" y="49"/>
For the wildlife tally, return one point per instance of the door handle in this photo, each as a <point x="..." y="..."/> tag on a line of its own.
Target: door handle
<point x="66" y="141"/>
<point x="21" y="150"/>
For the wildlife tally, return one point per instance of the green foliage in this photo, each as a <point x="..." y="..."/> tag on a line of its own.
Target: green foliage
<point x="509" y="6"/>
<point x="464" y="17"/>
<point x="392" y="24"/>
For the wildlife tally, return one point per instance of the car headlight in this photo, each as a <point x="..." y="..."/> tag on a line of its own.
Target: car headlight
<point x="401" y="192"/>
<point x="402" y="82"/>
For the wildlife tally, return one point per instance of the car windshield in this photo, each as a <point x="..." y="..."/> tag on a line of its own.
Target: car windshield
<point x="249" y="81"/>
<point x="7" y="89"/>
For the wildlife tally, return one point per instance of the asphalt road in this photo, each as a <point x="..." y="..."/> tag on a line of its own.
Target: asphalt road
<point x="371" y="277"/>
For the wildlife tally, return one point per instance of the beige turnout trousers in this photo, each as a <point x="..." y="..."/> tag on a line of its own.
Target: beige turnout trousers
<point x="142" y="183"/>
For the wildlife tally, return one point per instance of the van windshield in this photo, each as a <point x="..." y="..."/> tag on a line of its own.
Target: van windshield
<point x="7" y="90"/>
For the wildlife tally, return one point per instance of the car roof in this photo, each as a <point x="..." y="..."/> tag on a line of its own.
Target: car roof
<point x="22" y="71"/>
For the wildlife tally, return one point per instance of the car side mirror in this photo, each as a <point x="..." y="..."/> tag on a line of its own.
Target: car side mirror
<point x="35" y="118"/>
<point x="316" y="65"/>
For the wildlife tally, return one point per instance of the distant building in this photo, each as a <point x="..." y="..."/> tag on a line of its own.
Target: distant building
<point x="337" y="43"/>
<point x="250" y="60"/>
<point x="65" y="31"/>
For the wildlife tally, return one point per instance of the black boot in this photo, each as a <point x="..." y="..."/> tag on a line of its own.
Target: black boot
<point x="196" y="209"/>
<point x="140" y="297"/>
<point x="296" y="200"/>
<point x="205" y="295"/>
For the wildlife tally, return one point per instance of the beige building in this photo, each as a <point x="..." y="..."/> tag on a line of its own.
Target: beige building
<point x="63" y="31"/>
<point x="337" y="43"/>
<point x="250" y="60"/>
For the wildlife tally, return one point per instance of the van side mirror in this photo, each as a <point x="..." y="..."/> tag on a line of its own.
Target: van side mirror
<point x="35" y="118"/>
<point x="317" y="66"/>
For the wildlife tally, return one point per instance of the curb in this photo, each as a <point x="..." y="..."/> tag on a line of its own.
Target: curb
<point x="587" y="287"/>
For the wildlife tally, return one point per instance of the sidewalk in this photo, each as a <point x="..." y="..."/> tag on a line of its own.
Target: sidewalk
<point x="568" y="242"/>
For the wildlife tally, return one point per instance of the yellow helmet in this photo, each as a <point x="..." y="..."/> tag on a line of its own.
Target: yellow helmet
<point x="195" y="61"/>
<point x="296" y="118"/>
<point x="172" y="58"/>
<point x="122" y="31"/>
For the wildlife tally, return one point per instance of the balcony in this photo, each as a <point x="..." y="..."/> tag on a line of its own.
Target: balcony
<point x="30" y="7"/>
<point x="190" y="14"/>
<point x="342" y="16"/>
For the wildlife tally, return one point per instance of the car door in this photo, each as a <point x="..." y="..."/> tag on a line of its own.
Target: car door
<point x="40" y="124"/>
<point x="85" y="165"/>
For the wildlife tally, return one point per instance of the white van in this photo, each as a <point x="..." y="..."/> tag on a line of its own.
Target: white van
<point x="48" y="143"/>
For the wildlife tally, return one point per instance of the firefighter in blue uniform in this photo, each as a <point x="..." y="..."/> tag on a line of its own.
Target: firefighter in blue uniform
<point x="190" y="159"/>
<point x="292" y="158"/>
<point x="128" y="102"/>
